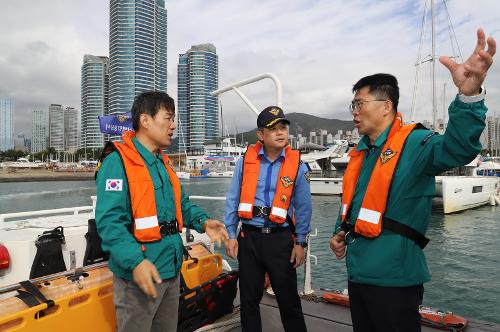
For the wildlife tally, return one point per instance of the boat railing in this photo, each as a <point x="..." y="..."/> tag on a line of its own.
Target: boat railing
<point x="32" y="214"/>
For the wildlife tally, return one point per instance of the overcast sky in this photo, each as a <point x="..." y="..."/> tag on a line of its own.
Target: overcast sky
<point x="318" y="48"/>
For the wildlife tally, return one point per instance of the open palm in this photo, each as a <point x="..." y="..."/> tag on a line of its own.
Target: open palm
<point x="216" y="231"/>
<point x="469" y="76"/>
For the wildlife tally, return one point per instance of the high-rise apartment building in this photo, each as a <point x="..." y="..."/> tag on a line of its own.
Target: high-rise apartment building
<point x="6" y="123"/>
<point x="492" y="133"/>
<point x="71" y="129"/>
<point x="137" y="49"/>
<point x="94" y="99"/>
<point x="198" y="76"/>
<point x="39" y="130"/>
<point x="56" y="127"/>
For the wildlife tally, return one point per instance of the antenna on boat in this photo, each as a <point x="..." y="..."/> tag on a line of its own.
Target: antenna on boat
<point x="418" y="63"/>
<point x="221" y="120"/>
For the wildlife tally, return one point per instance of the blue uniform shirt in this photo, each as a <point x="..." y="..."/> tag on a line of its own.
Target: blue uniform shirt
<point x="268" y="177"/>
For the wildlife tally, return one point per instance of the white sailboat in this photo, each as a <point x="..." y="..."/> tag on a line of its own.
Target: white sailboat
<point x="458" y="192"/>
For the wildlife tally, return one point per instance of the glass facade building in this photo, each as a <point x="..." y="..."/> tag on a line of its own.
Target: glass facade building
<point x="70" y="129"/>
<point x="198" y="76"/>
<point x="39" y="130"/>
<point x="94" y="99"/>
<point x="56" y="127"/>
<point x="6" y="124"/>
<point x="138" y="51"/>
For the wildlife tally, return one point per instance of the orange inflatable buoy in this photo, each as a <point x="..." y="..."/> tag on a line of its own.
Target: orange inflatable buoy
<point x="436" y="318"/>
<point x="444" y="320"/>
<point x="336" y="297"/>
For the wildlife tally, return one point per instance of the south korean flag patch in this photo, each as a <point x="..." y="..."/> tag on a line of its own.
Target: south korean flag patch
<point x="114" y="184"/>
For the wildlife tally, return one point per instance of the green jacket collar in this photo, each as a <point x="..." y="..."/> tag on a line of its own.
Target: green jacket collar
<point x="145" y="153"/>
<point x="364" y="143"/>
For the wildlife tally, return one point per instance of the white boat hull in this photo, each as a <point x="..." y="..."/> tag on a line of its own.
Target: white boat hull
<point x="226" y="174"/>
<point x="183" y="175"/>
<point x="326" y="186"/>
<point x="465" y="192"/>
<point x="19" y="238"/>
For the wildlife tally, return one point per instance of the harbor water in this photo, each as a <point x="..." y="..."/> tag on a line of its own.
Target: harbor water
<point x="463" y="255"/>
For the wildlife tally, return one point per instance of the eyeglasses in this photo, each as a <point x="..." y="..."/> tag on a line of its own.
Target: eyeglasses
<point x="356" y="105"/>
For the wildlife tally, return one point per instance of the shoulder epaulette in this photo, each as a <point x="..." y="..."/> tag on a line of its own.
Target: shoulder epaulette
<point x="420" y="126"/>
<point x="428" y="137"/>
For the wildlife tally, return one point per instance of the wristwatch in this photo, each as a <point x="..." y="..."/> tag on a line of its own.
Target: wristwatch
<point x="302" y="244"/>
<point x="473" y="99"/>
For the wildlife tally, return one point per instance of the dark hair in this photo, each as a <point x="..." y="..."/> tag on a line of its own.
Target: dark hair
<point x="381" y="86"/>
<point x="150" y="102"/>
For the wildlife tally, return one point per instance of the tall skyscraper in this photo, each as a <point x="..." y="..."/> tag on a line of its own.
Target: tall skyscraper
<point x="6" y="123"/>
<point x="95" y="98"/>
<point x="56" y="127"/>
<point x="39" y="130"/>
<point x="492" y="133"/>
<point x="70" y="129"/>
<point x="137" y="49"/>
<point x="198" y="76"/>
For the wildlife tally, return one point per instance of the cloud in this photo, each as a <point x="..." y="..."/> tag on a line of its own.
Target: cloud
<point x="318" y="49"/>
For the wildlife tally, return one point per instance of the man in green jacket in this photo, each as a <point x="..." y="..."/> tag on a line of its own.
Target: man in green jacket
<point x="146" y="274"/>
<point x="386" y="267"/>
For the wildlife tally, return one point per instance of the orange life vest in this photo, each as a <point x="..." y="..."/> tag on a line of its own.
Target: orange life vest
<point x="142" y="193"/>
<point x="284" y="188"/>
<point x="369" y="221"/>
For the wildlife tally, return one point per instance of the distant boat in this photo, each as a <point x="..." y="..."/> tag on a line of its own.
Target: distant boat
<point x="21" y="163"/>
<point x="325" y="177"/>
<point x="224" y="174"/>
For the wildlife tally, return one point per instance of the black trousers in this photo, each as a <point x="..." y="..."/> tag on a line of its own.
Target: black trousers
<point x="385" y="309"/>
<point x="259" y="253"/>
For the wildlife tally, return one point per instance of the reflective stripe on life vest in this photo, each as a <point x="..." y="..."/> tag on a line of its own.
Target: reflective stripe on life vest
<point x="141" y="189"/>
<point x="369" y="221"/>
<point x="284" y="187"/>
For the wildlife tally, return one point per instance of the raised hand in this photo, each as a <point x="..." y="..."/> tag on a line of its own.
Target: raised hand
<point x="216" y="231"/>
<point x="469" y="76"/>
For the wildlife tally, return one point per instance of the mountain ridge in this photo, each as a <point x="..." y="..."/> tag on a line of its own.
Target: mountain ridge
<point x="299" y="123"/>
<point x="303" y="123"/>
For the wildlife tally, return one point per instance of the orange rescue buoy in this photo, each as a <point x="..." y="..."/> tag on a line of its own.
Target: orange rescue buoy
<point x="436" y="318"/>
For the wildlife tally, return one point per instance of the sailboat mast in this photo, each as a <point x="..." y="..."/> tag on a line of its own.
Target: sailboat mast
<point x="418" y="64"/>
<point x="433" y="60"/>
<point x="444" y="106"/>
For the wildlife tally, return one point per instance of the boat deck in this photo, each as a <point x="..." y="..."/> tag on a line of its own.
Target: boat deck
<point x="321" y="316"/>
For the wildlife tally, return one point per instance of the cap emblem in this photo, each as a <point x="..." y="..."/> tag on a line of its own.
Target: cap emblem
<point x="274" y="111"/>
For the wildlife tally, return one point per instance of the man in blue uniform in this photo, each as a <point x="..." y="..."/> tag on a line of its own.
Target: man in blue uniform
<point x="270" y="195"/>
